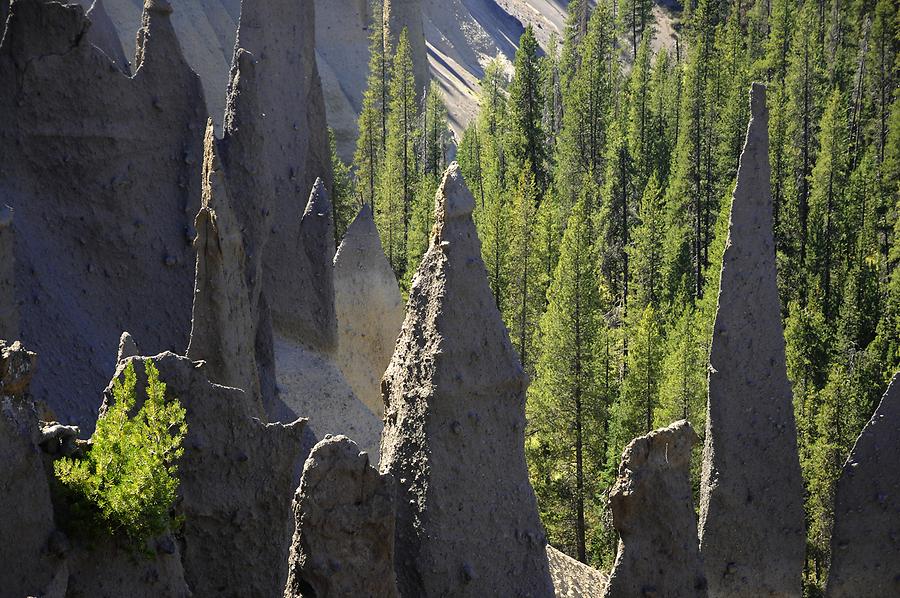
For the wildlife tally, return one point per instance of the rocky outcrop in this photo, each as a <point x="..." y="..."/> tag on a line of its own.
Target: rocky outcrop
<point x="574" y="579"/>
<point x="344" y="518"/>
<point x="9" y="309"/>
<point x="30" y="567"/>
<point x="752" y="534"/>
<point x="102" y="33"/>
<point x="369" y="310"/>
<point x="653" y="511"/>
<point x="407" y="14"/>
<point x="223" y="327"/>
<point x="111" y="252"/>
<point x="127" y="348"/>
<point x="104" y="568"/>
<point x="467" y="520"/>
<point x="281" y="34"/>
<point x="313" y="322"/>
<point x="865" y="543"/>
<point x="236" y="479"/>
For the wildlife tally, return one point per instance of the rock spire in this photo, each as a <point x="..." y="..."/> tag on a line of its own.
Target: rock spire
<point x="467" y="520"/>
<point x="752" y="533"/>
<point x="369" y="309"/>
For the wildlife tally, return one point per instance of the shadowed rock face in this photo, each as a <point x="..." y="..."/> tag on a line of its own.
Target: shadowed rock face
<point x="9" y="309"/>
<point x="467" y="520"/>
<point x="105" y="568"/>
<point x="312" y="321"/>
<point x="653" y="511"/>
<point x="344" y="517"/>
<point x="407" y="14"/>
<point x="281" y="34"/>
<point x="751" y="513"/>
<point x="26" y="513"/>
<point x="223" y="324"/>
<point x="103" y="173"/>
<point x="102" y="33"/>
<point x="369" y="310"/>
<point x="574" y="579"/>
<point x="236" y="480"/>
<point x="865" y="544"/>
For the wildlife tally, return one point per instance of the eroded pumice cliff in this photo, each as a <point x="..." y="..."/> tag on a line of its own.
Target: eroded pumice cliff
<point x="103" y="172"/>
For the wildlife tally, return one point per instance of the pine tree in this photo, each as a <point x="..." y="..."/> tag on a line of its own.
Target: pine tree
<point x="370" y="144"/>
<point x="527" y="139"/>
<point x="399" y="177"/>
<point x="641" y="115"/>
<point x="646" y="251"/>
<point x="525" y="305"/>
<point x="633" y="414"/>
<point x="567" y="408"/>
<point x="636" y="21"/>
<point x="588" y="107"/>
<point x="826" y="209"/>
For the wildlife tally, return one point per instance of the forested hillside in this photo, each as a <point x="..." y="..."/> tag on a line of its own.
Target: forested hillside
<point x="603" y="173"/>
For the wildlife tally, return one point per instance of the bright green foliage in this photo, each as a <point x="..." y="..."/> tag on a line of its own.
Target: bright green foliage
<point x="435" y="132"/>
<point x="646" y="251"/>
<point x="344" y="205"/>
<point x="126" y="483"/>
<point x="399" y="177"/>
<point x="567" y="407"/>
<point x="421" y="223"/>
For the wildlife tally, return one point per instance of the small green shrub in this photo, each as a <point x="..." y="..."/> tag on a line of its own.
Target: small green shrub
<point x="126" y="484"/>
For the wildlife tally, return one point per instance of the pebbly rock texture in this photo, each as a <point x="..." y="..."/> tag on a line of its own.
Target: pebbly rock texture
<point x="574" y="579"/>
<point x="27" y="526"/>
<point x="103" y="173"/>
<point x="313" y="322"/>
<point x="102" y="33"/>
<point x="106" y="569"/>
<point x="281" y="34"/>
<point x="223" y="327"/>
<point x="369" y="310"/>
<point x="467" y="519"/>
<point x="865" y="543"/>
<point x="407" y="14"/>
<point x="9" y="309"/>
<point x="344" y="519"/>
<point x="236" y="480"/>
<point x="752" y="535"/>
<point x="653" y="511"/>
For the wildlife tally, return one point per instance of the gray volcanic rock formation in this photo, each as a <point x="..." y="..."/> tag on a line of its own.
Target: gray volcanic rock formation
<point x="407" y="14"/>
<point x="9" y="309"/>
<point x="865" y="543"/>
<point x="467" y="519"/>
<point x="653" y="511"/>
<point x="281" y="34"/>
<point x="574" y="579"/>
<point x="103" y="202"/>
<point x="344" y="518"/>
<point x="752" y="533"/>
<point x="26" y="513"/>
<point x="312" y="321"/>
<point x="369" y="310"/>
<point x="102" y="33"/>
<point x="223" y="330"/>
<point x="236" y="480"/>
<point x="127" y="348"/>
<point x="106" y="569"/>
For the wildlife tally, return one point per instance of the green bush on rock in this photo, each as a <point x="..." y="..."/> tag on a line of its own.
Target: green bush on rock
<point x="126" y="483"/>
